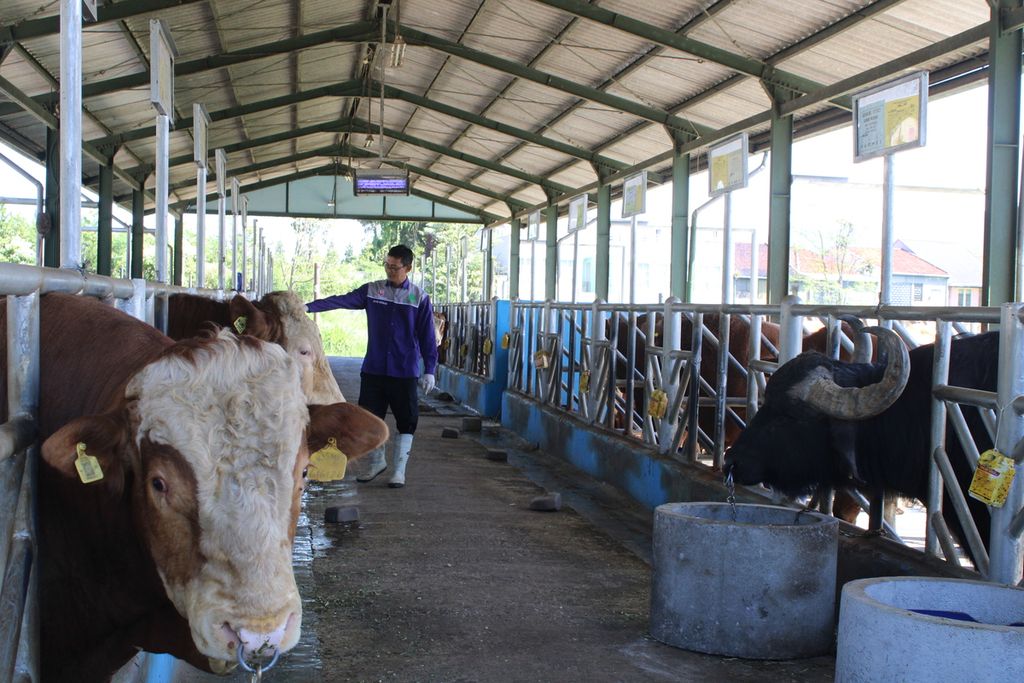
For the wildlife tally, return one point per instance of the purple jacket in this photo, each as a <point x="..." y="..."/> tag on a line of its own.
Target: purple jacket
<point x="400" y="327"/>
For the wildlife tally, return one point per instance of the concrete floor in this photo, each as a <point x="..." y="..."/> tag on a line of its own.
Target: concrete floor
<point x="454" y="578"/>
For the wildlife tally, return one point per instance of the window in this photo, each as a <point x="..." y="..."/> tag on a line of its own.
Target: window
<point x="965" y="297"/>
<point x="918" y="292"/>
<point x="587" y="276"/>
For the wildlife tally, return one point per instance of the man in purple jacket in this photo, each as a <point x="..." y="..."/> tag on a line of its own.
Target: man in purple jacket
<point x="400" y="330"/>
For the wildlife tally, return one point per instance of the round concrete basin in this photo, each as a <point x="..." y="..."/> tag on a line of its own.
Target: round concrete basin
<point x="760" y="585"/>
<point x="912" y="628"/>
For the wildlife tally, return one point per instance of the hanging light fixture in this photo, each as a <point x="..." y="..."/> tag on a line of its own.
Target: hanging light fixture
<point x="397" y="52"/>
<point x="369" y="141"/>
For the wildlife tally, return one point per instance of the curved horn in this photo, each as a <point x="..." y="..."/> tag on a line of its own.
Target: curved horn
<point x="858" y="403"/>
<point x="861" y="339"/>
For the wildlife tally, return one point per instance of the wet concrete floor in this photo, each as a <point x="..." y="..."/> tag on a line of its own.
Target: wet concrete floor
<point x="454" y="578"/>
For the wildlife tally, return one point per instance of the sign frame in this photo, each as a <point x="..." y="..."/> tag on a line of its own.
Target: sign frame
<point x="533" y="226"/>
<point x="578" y="206"/>
<point x="221" y="160"/>
<point x="728" y="165"/>
<point x="245" y="210"/>
<point x="634" y="194"/>
<point x="896" y="98"/>
<point x="464" y="243"/>
<point x="201" y="125"/>
<point x="162" y="55"/>
<point x="235" y="187"/>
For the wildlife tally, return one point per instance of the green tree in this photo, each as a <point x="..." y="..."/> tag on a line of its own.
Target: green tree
<point x="17" y="238"/>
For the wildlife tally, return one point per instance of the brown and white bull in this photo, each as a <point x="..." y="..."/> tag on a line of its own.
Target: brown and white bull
<point x="279" y="317"/>
<point x="184" y="546"/>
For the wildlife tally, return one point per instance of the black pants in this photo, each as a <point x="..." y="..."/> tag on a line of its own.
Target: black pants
<point x="378" y="392"/>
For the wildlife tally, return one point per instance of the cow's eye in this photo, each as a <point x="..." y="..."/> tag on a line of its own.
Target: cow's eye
<point x="159" y="485"/>
<point x="305" y="472"/>
<point x="304" y="352"/>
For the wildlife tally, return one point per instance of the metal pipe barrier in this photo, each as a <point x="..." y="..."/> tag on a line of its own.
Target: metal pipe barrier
<point x="623" y="368"/>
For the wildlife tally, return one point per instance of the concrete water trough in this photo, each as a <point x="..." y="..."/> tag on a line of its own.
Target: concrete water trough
<point x="760" y="585"/>
<point x="912" y="628"/>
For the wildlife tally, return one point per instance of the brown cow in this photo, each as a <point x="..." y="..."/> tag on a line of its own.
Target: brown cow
<point x="279" y="317"/>
<point x="184" y="545"/>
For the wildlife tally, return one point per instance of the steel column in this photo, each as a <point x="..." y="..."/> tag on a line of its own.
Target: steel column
<point x="780" y="183"/>
<point x="604" y="232"/>
<point x="680" y="227"/>
<point x="105" y="225"/>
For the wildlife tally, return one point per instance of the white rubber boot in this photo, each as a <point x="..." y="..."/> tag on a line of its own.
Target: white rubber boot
<point x="376" y="464"/>
<point x="400" y="454"/>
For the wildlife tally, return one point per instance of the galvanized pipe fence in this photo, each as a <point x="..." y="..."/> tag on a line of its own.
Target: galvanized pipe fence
<point x="633" y="370"/>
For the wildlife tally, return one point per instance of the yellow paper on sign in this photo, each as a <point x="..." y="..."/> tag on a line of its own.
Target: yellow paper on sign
<point x="992" y="479"/>
<point x="506" y="340"/>
<point x="658" y="404"/>
<point x="240" y="323"/>
<point x="88" y="466"/>
<point x="328" y="463"/>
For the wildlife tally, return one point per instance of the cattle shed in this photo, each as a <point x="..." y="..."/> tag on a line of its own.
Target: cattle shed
<point x="546" y="123"/>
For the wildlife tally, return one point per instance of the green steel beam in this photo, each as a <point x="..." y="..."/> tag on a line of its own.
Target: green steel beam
<point x="105" y="222"/>
<point x="780" y="183"/>
<point x="179" y="248"/>
<point x="1000" y="248"/>
<point x="736" y="62"/>
<point x="604" y="241"/>
<point x="512" y="131"/>
<point x="138" y="232"/>
<point x="684" y="126"/>
<point x="513" y="261"/>
<point x="353" y="33"/>
<point x="345" y="89"/>
<point x="50" y="26"/>
<point x="551" y="253"/>
<point x="329" y="169"/>
<point x="359" y="124"/>
<point x="24" y="102"/>
<point x="679" y="277"/>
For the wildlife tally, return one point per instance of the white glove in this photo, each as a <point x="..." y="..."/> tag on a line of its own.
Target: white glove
<point x="427" y="383"/>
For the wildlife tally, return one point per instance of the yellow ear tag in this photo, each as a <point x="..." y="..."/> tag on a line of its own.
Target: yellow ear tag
<point x="88" y="467"/>
<point x="541" y="360"/>
<point x="584" y="381"/>
<point x="506" y="340"/>
<point x="240" y="323"/>
<point x="992" y="479"/>
<point x="488" y="346"/>
<point x="328" y="463"/>
<point x="658" y="404"/>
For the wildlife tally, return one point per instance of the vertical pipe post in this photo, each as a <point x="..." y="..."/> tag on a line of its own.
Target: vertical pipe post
<point x="71" y="133"/>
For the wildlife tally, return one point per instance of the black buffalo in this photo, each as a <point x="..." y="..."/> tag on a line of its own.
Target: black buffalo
<point x="830" y="423"/>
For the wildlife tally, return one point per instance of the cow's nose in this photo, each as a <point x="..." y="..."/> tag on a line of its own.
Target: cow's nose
<point x="256" y="637"/>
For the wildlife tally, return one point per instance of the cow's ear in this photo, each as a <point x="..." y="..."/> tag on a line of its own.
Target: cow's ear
<point x="356" y="431"/>
<point x="247" y="319"/>
<point x="102" y="437"/>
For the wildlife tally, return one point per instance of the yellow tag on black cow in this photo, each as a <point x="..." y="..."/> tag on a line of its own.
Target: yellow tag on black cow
<point x="992" y="479"/>
<point x="506" y="340"/>
<point x="240" y="323"/>
<point x="88" y="467"/>
<point x="584" y="381"/>
<point x="488" y="346"/>
<point x="328" y="463"/>
<point x="464" y="349"/>
<point x="658" y="404"/>
<point x="541" y="360"/>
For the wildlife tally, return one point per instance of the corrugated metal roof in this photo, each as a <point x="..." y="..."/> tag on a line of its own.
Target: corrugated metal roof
<point x="525" y="100"/>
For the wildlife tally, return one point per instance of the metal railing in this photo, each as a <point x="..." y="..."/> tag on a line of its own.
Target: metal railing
<point x="635" y="371"/>
<point x="469" y="340"/>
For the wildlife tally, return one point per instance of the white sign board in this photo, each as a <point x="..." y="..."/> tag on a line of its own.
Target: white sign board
<point x="727" y="165"/>
<point x="234" y="196"/>
<point x="533" y="227"/>
<point x="221" y="161"/>
<point x="634" y="195"/>
<point x="465" y="246"/>
<point x="245" y="210"/>
<point x="578" y="213"/>
<point x="890" y="117"/>
<point x="162" y="54"/>
<point x="200" y="125"/>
